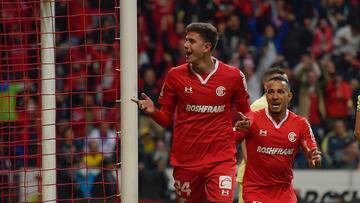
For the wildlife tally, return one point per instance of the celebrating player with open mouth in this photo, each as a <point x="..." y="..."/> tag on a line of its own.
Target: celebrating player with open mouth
<point x="202" y="92"/>
<point x="272" y="142"/>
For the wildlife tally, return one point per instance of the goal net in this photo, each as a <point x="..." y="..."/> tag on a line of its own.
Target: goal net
<point x="86" y="64"/>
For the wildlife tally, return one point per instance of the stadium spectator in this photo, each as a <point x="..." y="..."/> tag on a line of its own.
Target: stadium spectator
<point x="340" y="150"/>
<point x="338" y="99"/>
<point x="152" y="89"/>
<point x="312" y="100"/>
<point x="322" y="44"/>
<point x="297" y="41"/>
<point x="347" y="40"/>
<point x="89" y="168"/>
<point x="252" y="79"/>
<point x="67" y="160"/>
<point x="105" y="137"/>
<point x="242" y="53"/>
<point x="272" y="142"/>
<point x="234" y="33"/>
<point x="268" y="44"/>
<point x="202" y="92"/>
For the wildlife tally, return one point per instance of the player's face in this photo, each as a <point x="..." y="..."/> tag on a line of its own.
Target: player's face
<point x="278" y="96"/>
<point x="195" y="48"/>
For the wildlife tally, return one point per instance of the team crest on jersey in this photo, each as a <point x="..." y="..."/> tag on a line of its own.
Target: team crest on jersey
<point x="292" y="137"/>
<point x="225" y="182"/>
<point x="220" y="91"/>
<point x="188" y="90"/>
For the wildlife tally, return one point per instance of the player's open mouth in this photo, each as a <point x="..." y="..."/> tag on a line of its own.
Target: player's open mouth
<point x="187" y="54"/>
<point x="277" y="105"/>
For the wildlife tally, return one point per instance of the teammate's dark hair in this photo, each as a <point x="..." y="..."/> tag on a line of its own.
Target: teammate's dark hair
<point x="275" y="70"/>
<point x="207" y="31"/>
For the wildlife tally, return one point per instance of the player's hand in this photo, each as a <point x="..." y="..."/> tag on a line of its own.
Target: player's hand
<point x="314" y="158"/>
<point x="243" y="123"/>
<point x="145" y="104"/>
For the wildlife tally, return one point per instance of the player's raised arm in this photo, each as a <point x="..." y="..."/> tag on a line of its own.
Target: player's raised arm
<point x="357" y="120"/>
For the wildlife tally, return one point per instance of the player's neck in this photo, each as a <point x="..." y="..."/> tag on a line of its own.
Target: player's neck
<point x="204" y="66"/>
<point x="278" y="117"/>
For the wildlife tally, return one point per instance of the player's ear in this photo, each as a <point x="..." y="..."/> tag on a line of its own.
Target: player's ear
<point x="290" y="96"/>
<point x="207" y="47"/>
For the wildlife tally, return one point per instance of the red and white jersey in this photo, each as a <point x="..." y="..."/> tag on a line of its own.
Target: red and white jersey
<point x="203" y="125"/>
<point x="272" y="147"/>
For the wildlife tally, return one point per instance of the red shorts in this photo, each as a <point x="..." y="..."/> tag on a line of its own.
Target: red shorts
<point x="214" y="182"/>
<point x="269" y="194"/>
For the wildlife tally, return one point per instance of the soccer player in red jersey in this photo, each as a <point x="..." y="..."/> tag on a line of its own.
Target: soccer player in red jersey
<point x="256" y="105"/>
<point x="201" y="93"/>
<point x="272" y="142"/>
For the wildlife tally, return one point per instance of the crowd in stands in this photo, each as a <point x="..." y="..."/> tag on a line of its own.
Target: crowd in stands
<point x="87" y="87"/>
<point x="316" y="42"/>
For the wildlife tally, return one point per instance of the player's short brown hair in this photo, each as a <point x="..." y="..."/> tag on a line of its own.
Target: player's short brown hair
<point x="207" y="31"/>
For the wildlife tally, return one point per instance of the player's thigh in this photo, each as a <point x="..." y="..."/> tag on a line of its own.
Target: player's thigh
<point x="220" y="186"/>
<point x="189" y="185"/>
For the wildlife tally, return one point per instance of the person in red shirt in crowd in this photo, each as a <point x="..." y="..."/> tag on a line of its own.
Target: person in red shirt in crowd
<point x="202" y="91"/>
<point x="338" y="99"/>
<point x="322" y="43"/>
<point x="272" y="142"/>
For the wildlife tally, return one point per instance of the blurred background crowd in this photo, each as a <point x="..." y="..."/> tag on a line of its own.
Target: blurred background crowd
<point x="317" y="42"/>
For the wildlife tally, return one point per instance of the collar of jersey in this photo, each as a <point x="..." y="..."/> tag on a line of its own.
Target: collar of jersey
<point x="208" y="77"/>
<point x="277" y="126"/>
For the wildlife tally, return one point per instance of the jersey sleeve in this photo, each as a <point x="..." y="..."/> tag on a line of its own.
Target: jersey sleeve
<point x="239" y="136"/>
<point x="308" y="141"/>
<point x="241" y="96"/>
<point x="167" y="100"/>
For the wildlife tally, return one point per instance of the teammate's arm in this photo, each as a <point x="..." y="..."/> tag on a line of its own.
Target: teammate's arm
<point x="357" y="120"/>
<point x="240" y="135"/>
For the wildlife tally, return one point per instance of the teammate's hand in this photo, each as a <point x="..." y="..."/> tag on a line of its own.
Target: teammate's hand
<point x="243" y="123"/>
<point x="146" y="104"/>
<point x="314" y="158"/>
